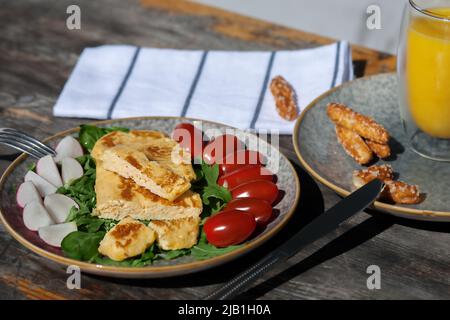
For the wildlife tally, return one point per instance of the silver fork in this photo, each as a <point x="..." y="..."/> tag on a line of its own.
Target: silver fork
<point x="23" y="142"/>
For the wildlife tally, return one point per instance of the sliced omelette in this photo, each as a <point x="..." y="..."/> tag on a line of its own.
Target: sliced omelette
<point x="128" y="162"/>
<point x="154" y="144"/>
<point x="145" y="175"/>
<point x="127" y="239"/>
<point x="176" y="234"/>
<point x="119" y="197"/>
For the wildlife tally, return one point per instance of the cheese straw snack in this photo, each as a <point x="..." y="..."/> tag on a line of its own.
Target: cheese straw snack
<point x="354" y="145"/>
<point x="364" y="126"/>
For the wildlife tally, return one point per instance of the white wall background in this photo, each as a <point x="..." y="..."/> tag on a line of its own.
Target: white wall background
<point x="338" y="19"/>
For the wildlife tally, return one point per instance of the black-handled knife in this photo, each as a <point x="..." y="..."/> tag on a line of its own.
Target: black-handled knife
<point x="319" y="227"/>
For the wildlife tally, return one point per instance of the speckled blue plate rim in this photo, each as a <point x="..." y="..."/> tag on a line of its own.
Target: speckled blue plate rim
<point x="390" y="208"/>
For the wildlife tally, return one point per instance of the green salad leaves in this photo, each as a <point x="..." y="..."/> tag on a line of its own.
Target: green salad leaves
<point x="214" y="197"/>
<point x="83" y="244"/>
<point x="89" y="134"/>
<point x="204" y="250"/>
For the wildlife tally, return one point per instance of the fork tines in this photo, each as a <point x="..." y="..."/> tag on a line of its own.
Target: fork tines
<point x="25" y="143"/>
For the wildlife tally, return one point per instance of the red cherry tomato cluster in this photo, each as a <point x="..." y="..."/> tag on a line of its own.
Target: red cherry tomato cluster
<point x="242" y="171"/>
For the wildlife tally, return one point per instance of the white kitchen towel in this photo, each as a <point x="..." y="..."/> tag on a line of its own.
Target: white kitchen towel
<point x="116" y="81"/>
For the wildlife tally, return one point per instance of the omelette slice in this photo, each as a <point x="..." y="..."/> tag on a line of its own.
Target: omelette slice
<point x="126" y="161"/>
<point x="154" y="144"/>
<point x="176" y="234"/>
<point x="119" y="197"/>
<point x="169" y="154"/>
<point x="127" y="239"/>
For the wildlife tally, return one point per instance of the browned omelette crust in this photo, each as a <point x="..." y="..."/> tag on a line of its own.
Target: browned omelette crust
<point x="364" y="126"/>
<point x="154" y="144"/>
<point x="128" y="162"/>
<point x="118" y="197"/>
<point x="354" y="145"/>
<point x="285" y="99"/>
<point x="381" y="150"/>
<point x="126" y="232"/>
<point x="130" y="191"/>
<point x="176" y="234"/>
<point x="126" y="239"/>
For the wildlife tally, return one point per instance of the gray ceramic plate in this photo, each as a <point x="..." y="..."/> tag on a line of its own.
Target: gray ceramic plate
<point x="320" y="153"/>
<point x="11" y="214"/>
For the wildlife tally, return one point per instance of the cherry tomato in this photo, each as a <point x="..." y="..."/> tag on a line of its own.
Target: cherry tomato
<point x="259" y="189"/>
<point x="228" y="228"/>
<point x="261" y="210"/>
<point x="189" y="137"/>
<point x="238" y="160"/>
<point x="220" y="147"/>
<point x="244" y="175"/>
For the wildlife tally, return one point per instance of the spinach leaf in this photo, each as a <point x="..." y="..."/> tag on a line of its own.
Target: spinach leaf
<point x="89" y="134"/>
<point x="82" y="245"/>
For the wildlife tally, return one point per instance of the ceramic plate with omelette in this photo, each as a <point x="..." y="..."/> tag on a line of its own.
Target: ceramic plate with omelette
<point x="142" y="208"/>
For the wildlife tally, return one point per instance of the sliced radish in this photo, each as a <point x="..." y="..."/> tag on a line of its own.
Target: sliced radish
<point x="71" y="169"/>
<point x="54" y="235"/>
<point x="68" y="147"/>
<point x="26" y="193"/>
<point x="58" y="206"/>
<point x="47" y="169"/>
<point x="35" y="216"/>
<point x="43" y="186"/>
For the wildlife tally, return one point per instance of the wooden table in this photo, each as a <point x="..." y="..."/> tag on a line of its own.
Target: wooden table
<point x="37" y="53"/>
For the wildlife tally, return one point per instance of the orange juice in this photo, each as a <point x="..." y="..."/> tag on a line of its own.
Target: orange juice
<point x="428" y="72"/>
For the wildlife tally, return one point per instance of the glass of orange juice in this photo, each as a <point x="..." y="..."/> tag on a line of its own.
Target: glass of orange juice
<point x="423" y="70"/>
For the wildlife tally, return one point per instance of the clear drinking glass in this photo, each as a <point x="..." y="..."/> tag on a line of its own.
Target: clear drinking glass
<point x="423" y="70"/>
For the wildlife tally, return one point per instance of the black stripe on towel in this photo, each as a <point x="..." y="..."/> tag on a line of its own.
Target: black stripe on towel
<point x="194" y="84"/>
<point x="336" y="64"/>
<point x="124" y="82"/>
<point x="346" y="73"/>
<point x="263" y="90"/>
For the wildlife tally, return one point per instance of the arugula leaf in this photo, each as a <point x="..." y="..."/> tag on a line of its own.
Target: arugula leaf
<point x="172" y="254"/>
<point x="199" y="174"/>
<point x="87" y="162"/>
<point x="82" y="245"/>
<point x="214" y="197"/>
<point x="89" y="134"/>
<point x="31" y="166"/>
<point x="215" y="191"/>
<point x="87" y="222"/>
<point x="204" y="250"/>
<point x="82" y="190"/>
<point x="211" y="173"/>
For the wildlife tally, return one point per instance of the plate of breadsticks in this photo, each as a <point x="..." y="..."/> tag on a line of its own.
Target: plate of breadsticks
<point x="353" y="134"/>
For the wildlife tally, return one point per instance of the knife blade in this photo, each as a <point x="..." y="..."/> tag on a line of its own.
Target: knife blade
<point x="319" y="227"/>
